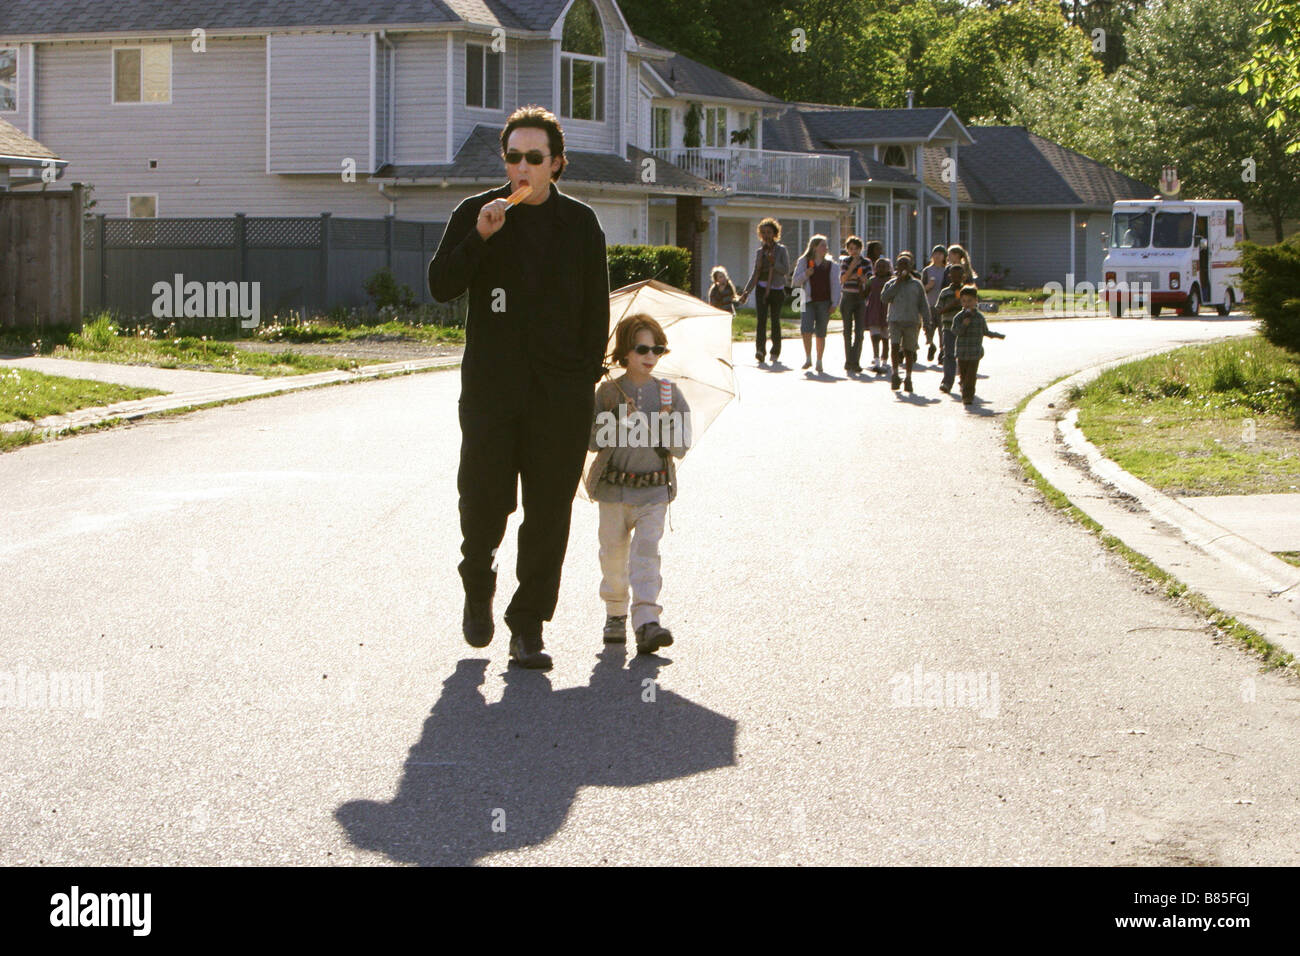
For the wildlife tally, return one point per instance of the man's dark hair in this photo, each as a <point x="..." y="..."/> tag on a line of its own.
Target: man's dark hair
<point x="538" y="117"/>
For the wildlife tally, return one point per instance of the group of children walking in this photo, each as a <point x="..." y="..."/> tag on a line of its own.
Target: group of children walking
<point x="889" y="302"/>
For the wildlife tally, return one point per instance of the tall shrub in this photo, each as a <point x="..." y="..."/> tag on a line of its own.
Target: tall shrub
<point x="1270" y="278"/>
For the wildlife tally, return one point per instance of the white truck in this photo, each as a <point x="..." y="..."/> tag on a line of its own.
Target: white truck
<point x="1182" y="253"/>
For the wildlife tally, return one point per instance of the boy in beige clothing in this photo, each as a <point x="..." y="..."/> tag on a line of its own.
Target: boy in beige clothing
<point x="641" y="425"/>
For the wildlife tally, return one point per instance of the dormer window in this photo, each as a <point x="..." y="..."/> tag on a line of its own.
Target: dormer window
<point x="896" y="156"/>
<point x="582" y="64"/>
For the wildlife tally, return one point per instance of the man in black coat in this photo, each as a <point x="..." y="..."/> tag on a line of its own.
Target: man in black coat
<point x="535" y="344"/>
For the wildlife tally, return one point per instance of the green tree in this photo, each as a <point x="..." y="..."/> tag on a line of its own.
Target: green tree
<point x="1184" y="65"/>
<point x="1273" y="71"/>
<point x="965" y="67"/>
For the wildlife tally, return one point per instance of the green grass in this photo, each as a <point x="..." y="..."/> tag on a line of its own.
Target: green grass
<point x="1290" y="557"/>
<point x="1247" y="637"/>
<point x="108" y="339"/>
<point x="745" y="323"/>
<point x="1214" y="419"/>
<point x="27" y="396"/>
<point x="1015" y="300"/>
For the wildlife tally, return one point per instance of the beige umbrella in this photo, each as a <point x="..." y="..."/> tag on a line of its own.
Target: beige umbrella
<point x="699" y="342"/>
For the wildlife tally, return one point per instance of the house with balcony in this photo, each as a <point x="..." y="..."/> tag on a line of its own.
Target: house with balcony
<point x="183" y="108"/>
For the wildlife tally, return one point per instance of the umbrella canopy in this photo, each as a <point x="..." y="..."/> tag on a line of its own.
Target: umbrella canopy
<point x="699" y="341"/>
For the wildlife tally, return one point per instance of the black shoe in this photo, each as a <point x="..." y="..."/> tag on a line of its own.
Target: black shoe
<point x="930" y="355"/>
<point x="759" y="356"/>
<point x="946" y="389"/>
<point x="895" y="382"/>
<point x="907" y="384"/>
<point x="650" y="637"/>
<point x="476" y="623"/>
<point x="526" y="651"/>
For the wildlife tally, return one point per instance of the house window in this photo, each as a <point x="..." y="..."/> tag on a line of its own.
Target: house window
<point x="715" y="126"/>
<point x="877" y="219"/>
<point x="896" y="156"/>
<point x="142" y="74"/>
<point x="482" y="77"/>
<point x="582" y="64"/>
<point x="142" y="206"/>
<point x="8" y="79"/>
<point x="662" y="131"/>
<point x="746" y="132"/>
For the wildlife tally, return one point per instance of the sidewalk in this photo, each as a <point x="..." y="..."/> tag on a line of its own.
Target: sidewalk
<point x="1237" y="574"/>
<point x="187" y="389"/>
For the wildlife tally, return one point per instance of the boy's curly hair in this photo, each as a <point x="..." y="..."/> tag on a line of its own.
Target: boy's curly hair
<point x="625" y="334"/>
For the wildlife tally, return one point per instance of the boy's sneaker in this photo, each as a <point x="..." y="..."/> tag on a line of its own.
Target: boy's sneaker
<point x="650" y="637"/>
<point x="616" y="629"/>
<point x="895" y="382"/>
<point x="946" y="389"/>
<point x="907" y="384"/>
<point x="930" y="354"/>
<point x="807" y="364"/>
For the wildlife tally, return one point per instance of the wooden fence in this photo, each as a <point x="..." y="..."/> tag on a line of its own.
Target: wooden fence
<point x="40" y="259"/>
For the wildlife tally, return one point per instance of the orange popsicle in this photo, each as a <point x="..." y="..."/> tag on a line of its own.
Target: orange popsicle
<point x="520" y="194"/>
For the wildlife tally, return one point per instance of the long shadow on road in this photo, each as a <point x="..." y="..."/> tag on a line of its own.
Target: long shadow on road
<point x="490" y="777"/>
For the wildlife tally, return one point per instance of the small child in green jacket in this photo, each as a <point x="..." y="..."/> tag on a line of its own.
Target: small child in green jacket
<point x="969" y="329"/>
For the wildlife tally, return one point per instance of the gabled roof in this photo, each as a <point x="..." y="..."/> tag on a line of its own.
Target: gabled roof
<point x="19" y="149"/>
<point x="40" y="17"/>
<point x="853" y="125"/>
<point x="789" y="132"/>
<point x="687" y="77"/>
<point x="1009" y="166"/>
<point x="479" y="161"/>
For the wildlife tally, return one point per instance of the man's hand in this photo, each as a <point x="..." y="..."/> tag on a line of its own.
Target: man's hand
<point x="491" y="218"/>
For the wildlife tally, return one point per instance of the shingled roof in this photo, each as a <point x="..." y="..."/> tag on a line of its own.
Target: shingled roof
<point x="40" y="17"/>
<point x="688" y="77"/>
<point x="835" y="125"/>
<point x="479" y="161"/>
<point x="19" y="149"/>
<point x="1010" y="166"/>
<point x="790" y="133"/>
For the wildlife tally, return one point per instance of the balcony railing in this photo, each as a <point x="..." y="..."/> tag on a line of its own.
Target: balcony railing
<point x="765" y="172"/>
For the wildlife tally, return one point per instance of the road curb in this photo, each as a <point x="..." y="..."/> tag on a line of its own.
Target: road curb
<point x="258" y="388"/>
<point x="1237" y="575"/>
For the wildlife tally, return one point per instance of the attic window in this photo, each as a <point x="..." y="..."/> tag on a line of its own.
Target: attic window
<point x="8" y="79"/>
<point x="895" y="156"/>
<point x="582" y="64"/>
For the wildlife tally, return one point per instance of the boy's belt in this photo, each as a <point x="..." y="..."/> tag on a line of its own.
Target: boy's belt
<point x="635" y="479"/>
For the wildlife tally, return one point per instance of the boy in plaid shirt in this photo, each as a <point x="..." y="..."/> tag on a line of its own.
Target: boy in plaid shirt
<point x="969" y="329"/>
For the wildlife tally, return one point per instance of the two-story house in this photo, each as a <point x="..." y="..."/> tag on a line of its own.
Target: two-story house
<point x="393" y="107"/>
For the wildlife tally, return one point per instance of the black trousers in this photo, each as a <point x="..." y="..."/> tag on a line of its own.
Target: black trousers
<point x="540" y="442"/>
<point x="767" y="303"/>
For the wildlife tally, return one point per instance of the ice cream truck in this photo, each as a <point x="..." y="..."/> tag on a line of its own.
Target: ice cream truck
<point x="1180" y="253"/>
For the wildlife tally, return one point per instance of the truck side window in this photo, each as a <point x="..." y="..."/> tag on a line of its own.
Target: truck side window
<point x="1231" y="225"/>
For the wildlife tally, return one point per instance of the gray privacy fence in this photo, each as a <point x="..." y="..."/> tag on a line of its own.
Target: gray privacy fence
<point x="304" y="264"/>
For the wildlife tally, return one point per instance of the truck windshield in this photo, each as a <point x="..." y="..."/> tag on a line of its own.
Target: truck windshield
<point x="1132" y="230"/>
<point x="1173" y="230"/>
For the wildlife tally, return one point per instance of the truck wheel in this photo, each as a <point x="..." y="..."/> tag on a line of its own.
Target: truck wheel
<point x="1228" y="303"/>
<point x="1193" y="306"/>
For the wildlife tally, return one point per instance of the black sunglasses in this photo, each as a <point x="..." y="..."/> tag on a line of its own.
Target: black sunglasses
<point x="647" y="349"/>
<point x="535" y="157"/>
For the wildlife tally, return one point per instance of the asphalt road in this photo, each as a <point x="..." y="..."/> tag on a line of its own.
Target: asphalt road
<point x="265" y="595"/>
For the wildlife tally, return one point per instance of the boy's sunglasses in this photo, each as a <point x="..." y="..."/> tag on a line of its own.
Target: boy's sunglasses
<point x="535" y="157"/>
<point x="647" y="349"/>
